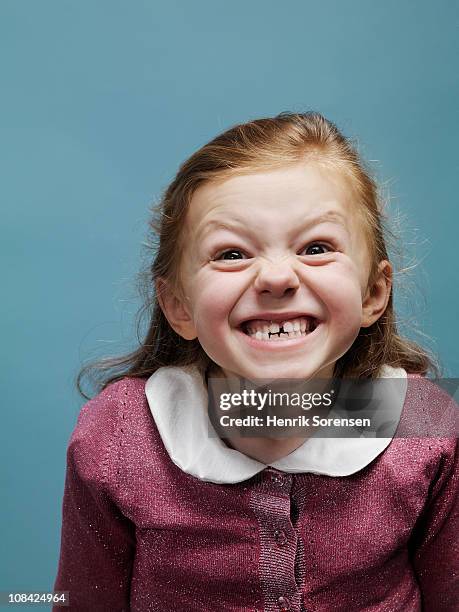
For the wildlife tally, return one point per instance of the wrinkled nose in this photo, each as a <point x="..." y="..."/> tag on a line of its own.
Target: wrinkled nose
<point x="277" y="278"/>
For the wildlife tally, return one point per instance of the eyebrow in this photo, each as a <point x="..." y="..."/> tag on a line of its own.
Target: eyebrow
<point x="216" y="224"/>
<point x="332" y="216"/>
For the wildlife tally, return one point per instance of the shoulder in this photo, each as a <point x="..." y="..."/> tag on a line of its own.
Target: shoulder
<point x="429" y="411"/>
<point x="99" y="418"/>
<point x="425" y="444"/>
<point x="92" y="449"/>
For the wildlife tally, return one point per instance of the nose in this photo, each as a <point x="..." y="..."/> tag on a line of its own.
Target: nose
<point x="277" y="278"/>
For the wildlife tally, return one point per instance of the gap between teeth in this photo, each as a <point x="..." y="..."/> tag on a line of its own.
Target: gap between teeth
<point x="291" y="329"/>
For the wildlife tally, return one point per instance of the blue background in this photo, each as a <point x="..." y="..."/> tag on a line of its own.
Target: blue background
<point x="101" y="101"/>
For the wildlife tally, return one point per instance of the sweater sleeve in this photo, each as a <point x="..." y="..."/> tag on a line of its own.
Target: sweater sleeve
<point x="436" y="543"/>
<point x="97" y="540"/>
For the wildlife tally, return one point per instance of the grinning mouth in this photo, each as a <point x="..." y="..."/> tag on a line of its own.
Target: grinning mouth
<point x="297" y="327"/>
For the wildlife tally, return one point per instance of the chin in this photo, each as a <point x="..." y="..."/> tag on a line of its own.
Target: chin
<point x="281" y="372"/>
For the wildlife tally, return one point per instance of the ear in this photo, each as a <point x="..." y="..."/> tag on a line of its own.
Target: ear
<point x="175" y="310"/>
<point x="377" y="296"/>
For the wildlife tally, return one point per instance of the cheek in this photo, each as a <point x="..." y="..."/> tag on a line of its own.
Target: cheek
<point x="213" y="302"/>
<point x="214" y="296"/>
<point x="345" y="297"/>
<point x="339" y="288"/>
<point x="343" y="303"/>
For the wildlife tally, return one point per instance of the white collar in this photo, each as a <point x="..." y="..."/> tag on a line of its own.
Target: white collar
<point x="178" y="398"/>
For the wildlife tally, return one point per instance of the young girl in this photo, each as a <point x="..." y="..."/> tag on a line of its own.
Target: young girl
<point x="271" y="263"/>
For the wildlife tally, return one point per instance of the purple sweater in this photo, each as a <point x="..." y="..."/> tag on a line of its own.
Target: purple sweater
<point x="140" y="534"/>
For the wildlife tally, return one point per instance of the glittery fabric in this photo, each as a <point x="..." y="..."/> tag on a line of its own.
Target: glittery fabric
<point x="140" y="534"/>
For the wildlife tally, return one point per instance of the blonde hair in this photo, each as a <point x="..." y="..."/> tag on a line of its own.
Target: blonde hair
<point x="263" y="144"/>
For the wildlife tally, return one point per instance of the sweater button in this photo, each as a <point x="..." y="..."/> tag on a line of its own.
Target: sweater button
<point x="283" y="603"/>
<point x="280" y="537"/>
<point x="277" y="479"/>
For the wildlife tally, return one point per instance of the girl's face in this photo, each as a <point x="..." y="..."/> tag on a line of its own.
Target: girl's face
<point x="279" y="248"/>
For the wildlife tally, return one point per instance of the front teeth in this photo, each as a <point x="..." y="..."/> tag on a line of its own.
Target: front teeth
<point x="294" y="328"/>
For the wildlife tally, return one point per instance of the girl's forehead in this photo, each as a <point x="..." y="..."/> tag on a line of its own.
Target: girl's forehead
<point x="298" y="190"/>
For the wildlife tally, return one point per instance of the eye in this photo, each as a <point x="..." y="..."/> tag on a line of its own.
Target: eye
<point x="230" y="254"/>
<point x="316" y="248"/>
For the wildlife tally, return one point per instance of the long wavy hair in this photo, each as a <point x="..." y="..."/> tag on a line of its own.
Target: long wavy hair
<point x="258" y="145"/>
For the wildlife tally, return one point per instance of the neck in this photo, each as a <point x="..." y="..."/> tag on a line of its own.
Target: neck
<point x="265" y="450"/>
